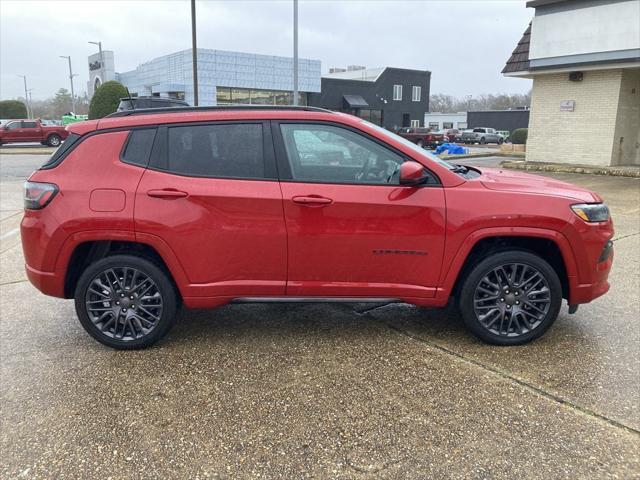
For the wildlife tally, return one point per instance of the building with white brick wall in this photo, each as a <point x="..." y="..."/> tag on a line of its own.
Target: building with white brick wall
<point x="584" y="59"/>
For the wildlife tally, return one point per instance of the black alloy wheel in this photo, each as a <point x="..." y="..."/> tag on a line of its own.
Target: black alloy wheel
<point x="511" y="298"/>
<point x="125" y="302"/>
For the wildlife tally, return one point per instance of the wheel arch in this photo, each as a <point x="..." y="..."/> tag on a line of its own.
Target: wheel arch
<point x="550" y="245"/>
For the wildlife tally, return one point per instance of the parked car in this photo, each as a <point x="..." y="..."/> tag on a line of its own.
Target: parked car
<point x="422" y="136"/>
<point x="481" y="135"/>
<point x="16" y="131"/>
<point x="450" y="134"/>
<point x="136" y="103"/>
<point x="505" y="134"/>
<point x="228" y="208"/>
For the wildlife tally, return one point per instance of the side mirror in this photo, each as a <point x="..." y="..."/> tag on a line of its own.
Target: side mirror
<point x="411" y="173"/>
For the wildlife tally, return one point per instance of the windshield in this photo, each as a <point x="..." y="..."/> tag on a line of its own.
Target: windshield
<point x="419" y="150"/>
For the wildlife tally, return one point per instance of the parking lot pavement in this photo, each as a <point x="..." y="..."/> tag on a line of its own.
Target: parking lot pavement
<point x="326" y="391"/>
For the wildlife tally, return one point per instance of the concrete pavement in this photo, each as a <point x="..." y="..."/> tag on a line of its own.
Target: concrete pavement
<point x="322" y="391"/>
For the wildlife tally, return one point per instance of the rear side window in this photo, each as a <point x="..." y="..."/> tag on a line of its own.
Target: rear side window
<point x="29" y="124"/>
<point x="62" y="152"/>
<point x="228" y="150"/>
<point x="138" y="147"/>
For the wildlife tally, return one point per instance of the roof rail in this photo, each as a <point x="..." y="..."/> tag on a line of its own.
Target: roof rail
<point x="151" y="111"/>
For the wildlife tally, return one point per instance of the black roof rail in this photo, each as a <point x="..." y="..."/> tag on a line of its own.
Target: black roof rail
<point x="151" y="111"/>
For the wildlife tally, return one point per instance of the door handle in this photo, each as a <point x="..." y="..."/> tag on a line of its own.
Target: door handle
<point x="312" y="200"/>
<point x="167" y="193"/>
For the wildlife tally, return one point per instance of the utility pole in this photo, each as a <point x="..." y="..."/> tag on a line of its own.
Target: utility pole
<point x="26" y="96"/>
<point x="295" y="52"/>
<point x="194" y="49"/>
<point x="71" y="75"/>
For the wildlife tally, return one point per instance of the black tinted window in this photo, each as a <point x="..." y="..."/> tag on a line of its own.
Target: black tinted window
<point x="62" y="151"/>
<point x="231" y="150"/>
<point x="28" y="124"/>
<point x="139" y="147"/>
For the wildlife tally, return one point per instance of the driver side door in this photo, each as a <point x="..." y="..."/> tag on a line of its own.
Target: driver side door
<point x="352" y="229"/>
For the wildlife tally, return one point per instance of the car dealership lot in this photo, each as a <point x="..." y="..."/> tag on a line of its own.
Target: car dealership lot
<point x="324" y="391"/>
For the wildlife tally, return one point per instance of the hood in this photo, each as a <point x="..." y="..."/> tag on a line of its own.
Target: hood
<point x="515" y="181"/>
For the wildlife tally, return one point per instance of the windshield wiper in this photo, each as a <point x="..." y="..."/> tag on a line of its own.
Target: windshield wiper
<point x="459" y="168"/>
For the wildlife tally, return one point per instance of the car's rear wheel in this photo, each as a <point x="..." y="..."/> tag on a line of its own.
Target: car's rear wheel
<point x="483" y="140"/>
<point x="126" y="302"/>
<point x="54" y="140"/>
<point x="510" y="298"/>
<point x="500" y="141"/>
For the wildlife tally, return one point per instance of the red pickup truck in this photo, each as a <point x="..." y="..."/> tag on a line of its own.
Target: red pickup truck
<point x="15" y="131"/>
<point x="423" y="137"/>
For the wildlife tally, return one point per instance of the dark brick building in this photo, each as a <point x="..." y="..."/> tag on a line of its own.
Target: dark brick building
<point x="390" y="97"/>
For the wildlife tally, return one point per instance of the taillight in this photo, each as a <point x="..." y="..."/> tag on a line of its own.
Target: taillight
<point x="38" y="195"/>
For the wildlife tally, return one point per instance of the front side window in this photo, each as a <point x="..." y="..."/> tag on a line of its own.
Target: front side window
<point x="329" y="154"/>
<point x="397" y="92"/>
<point x="416" y="93"/>
<point x="14" y="125"/>
<point x="226" y="150"/>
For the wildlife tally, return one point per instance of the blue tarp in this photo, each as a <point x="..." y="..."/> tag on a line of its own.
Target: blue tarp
<point x="452" y="149"/>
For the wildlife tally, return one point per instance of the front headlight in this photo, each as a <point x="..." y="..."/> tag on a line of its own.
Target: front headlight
<point x="591" y="212"/>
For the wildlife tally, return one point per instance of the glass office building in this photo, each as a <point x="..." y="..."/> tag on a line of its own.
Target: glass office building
<point x="224" y="78"/>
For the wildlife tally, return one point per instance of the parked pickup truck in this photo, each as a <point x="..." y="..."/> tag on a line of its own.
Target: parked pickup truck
<point x="16" y="131"/>
<point x="423" y="137"/>
<point x="481" y="135"/>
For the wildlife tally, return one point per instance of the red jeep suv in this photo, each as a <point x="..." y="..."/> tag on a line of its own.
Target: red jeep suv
<point x="147" y="210"/>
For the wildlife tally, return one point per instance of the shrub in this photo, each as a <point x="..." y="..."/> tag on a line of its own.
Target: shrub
<point x="106" y="99"/>
<point x="519" y="136"/>
<point x="12" y="109"/>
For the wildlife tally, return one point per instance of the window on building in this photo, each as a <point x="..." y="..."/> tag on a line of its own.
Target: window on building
<point x="434" y="125"/>
<point x="252" y="96"/>
<point x="232" y="150"/>
<point x="324" y="153"/>
<point x="176" y="95"/>
<point x="462" y="125"/>
<point x="416" y="93"/>
<point x="446" y="125"/>
<point x="415" y="123"/>
<point x="397" y="92"/>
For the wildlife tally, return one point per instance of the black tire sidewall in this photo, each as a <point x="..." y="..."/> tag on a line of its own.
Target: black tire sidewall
<point x="163" y="282"/>
<point x="491" y="262"/>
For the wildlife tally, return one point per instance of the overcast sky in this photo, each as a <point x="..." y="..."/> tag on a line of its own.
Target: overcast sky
<point x="463" y="43"/>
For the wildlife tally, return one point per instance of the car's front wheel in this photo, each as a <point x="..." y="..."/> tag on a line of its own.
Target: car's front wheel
<point x="510" y="298"/>
<point x="126" y="302"/>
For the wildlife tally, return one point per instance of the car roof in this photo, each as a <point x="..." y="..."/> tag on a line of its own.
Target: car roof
<point x="142" y="117"/>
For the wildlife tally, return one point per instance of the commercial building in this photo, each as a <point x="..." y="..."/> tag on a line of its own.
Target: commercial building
<point x="498" y="119"/>
<point x="101" y="69"/>
<point x="390" y="97"/>
<point x="223" y="77"/>
<point x="584" y="59"/>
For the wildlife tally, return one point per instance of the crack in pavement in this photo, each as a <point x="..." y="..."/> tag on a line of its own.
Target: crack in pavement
<point x="507" y="376"/>
<point x="625" y="236"/>
<point x="13" y="282"/>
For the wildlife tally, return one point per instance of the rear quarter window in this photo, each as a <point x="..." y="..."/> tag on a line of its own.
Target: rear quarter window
<point x="62" y="151"/>
<point x="138" y="147"/>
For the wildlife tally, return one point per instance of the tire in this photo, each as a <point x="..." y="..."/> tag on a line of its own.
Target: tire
<point x="420" y="143"/>
<point x="483" y="141"/>
<point x="129" y="323"/>
<point x="500" y="141"/>
<point x="54" y="140"/>
<point x="482" y="310"/>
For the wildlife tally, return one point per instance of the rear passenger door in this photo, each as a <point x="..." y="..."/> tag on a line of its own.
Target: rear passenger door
<point x="211" y="194"/>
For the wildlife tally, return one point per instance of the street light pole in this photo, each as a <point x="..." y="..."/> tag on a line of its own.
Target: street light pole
<point x="194" y="49"/>
<point x="295" y="52"/>
<point x="26" y="95"/>
<point x="71" y="75"/>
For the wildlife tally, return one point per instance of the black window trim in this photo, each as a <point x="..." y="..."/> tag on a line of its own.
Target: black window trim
<point x="284" y="167"/>
<point x="128" y="139"/>
<point x="160" y="150"/>
<point x="48" y="165"/>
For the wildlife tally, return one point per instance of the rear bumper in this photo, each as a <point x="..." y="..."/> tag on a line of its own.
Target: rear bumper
<point x="48" y="283"/>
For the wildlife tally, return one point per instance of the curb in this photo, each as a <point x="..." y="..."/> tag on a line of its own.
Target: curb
<point x="26" y="151"/>
<point x="568" y="168"/>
